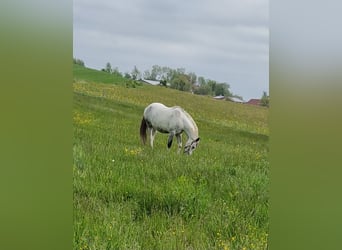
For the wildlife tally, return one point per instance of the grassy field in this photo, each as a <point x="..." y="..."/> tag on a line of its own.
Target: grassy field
<point x="128" y="196"/>
<point x="91" y="75"/>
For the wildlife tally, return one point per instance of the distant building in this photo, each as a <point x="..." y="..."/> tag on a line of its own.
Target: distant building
<point x="153" y="82"/>
<point x="219" y="97"/>
<point x="234" y="99"/>
<point x="256" y="102"/>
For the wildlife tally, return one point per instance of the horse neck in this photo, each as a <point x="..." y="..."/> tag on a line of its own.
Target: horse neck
<point x="190" y="128"/>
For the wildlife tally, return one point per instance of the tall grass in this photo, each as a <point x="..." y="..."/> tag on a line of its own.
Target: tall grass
<point x="128" y="196"/>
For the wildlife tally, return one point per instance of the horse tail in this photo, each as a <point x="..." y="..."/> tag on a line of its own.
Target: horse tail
<point x="143" y="128"/>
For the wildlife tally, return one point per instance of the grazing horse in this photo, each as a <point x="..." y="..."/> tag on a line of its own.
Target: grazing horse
<point x="171" y="120"/>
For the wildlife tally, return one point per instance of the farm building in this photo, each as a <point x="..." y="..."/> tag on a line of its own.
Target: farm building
<point x="256" y="102"/>
<point x="219" y="97"/>
<point x="153" y="82"/>
<point x="234" y="99"/>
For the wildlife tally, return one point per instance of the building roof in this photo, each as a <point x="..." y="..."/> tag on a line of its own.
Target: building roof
<point x="152" y="82"/>
<point x="219" y="97"/>
<point x="234" y="99"/>
<point x="254" y="102"/>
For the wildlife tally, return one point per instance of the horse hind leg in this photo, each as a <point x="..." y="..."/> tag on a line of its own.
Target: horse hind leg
<point x="152" y="135"/>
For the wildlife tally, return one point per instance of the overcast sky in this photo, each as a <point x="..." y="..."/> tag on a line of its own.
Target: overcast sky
<point x="223" y="40"/>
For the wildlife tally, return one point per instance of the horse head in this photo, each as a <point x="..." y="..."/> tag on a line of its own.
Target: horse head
<point x="190" y="147"/>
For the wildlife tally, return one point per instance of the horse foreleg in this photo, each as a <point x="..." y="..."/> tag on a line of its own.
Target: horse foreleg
<point x="169" y="141"/>
<point x="179" y="142"/>
<point x="152" y="134"/>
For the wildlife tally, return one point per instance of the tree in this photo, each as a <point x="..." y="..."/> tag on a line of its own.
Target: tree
<point x="203" y="89"/>
<point x="164" y="75"/>
<point x="135" y="73"/>
<point x="179" y="79"/>
<point x="193" y="78"/>
<point x="147" y="75"/>
<point x="201" y="81"/>
<point x="171" y="74"/>
<point x="127" y="75"/>
<point x="222" y="89"/>
<point x="212" y="85"/>
<point x="116" y="72"/>
<point x="108" y="68"/>
<point x="78" y="62"/>
<point x="265" y="100"/>
<point x="181" y="82"/>
<point x="155" y="72"/>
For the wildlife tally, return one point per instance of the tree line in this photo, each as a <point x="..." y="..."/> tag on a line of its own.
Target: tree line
<point x="177" y="78"/>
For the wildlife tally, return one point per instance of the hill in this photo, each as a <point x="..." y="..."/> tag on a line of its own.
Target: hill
<point x="128" y="196"/>
<point x="81" y="73"/>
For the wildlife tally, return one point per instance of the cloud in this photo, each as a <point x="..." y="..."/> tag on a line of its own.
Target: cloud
<point x="202" y="36"/>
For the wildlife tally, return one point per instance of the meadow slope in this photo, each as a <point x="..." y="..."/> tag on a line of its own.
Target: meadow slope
<point x="128" y="196"/>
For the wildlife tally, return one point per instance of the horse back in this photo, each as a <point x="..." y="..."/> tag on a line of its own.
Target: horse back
<point x="163" y="118"/>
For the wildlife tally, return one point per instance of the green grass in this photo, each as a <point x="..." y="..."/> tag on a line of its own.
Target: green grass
<point x="91" y="75"/>
<point x="128" y="196"/>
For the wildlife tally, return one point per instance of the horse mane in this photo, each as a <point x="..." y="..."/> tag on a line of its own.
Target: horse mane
<point x="190" y="118"/>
